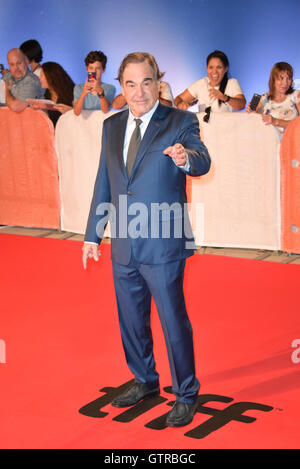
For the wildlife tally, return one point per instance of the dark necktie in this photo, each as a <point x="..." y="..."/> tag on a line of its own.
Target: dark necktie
<point x="133" y="146"/>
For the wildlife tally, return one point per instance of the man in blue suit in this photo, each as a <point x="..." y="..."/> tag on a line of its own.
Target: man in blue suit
<point x="146" y="153"/>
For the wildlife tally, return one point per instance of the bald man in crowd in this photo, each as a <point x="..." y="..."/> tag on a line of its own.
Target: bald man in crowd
<point x="20" y="82"/>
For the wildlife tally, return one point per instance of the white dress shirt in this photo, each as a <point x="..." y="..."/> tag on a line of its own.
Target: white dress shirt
<point x="131" y="126"/>
<point x="145" y="118"/>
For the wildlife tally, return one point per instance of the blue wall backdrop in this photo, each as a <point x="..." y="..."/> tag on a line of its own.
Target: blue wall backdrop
<point x="179" y="33"/>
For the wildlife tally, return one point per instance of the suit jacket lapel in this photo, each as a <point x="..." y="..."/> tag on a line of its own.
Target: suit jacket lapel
<point x="119" y="140"/>
<point x="154" y="127"/>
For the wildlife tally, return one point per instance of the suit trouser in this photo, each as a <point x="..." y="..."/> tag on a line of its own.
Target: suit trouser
<point x="135" y="284"/>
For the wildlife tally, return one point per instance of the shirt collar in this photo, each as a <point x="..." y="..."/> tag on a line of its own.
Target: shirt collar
<point x="145" y="117"/>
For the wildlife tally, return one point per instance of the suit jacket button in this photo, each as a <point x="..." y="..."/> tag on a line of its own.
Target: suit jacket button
<point x="129" y="193"/>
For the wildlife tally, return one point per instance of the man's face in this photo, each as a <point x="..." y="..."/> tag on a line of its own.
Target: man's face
<point x="17" y="64"/>
<point x="140" y="88"/>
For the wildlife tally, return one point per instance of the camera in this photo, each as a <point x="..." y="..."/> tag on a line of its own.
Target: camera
<point x="91" y="76"/>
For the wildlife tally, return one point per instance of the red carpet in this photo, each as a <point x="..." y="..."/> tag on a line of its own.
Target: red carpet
<point x="63" y="354"/>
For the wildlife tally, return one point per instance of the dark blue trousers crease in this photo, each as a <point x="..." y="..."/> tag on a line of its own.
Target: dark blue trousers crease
<point x="135" y="284"/>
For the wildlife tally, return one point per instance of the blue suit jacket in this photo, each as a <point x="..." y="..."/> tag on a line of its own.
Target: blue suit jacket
<point x="148" y="212"/>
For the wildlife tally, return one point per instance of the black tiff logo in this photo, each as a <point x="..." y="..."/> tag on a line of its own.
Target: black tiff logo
<point x="219" y="418"/>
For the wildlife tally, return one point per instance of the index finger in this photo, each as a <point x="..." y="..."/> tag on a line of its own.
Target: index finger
<point x="85" y="256"/>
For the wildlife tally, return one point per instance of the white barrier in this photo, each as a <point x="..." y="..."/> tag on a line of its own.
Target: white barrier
<point x="237" y="204"/>
<point x="78" y="146"/>
<point x="238" y="201"/>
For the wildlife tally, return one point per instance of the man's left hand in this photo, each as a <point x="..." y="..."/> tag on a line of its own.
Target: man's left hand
<point x="178" y="153"/>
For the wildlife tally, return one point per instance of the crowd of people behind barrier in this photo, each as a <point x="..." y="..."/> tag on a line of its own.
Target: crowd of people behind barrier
<point x="47" y="86"/>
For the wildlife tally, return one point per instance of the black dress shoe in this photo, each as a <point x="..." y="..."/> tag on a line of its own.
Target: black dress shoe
<point x="181" y="414"/>
<point x="134" y="394"/>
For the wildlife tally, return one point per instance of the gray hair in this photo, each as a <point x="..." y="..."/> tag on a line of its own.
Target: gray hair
<point x="139" y="57"/>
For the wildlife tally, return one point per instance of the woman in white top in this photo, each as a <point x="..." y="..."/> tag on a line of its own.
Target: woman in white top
<point x="216" y="92"/>
<point x="282" y="103"/>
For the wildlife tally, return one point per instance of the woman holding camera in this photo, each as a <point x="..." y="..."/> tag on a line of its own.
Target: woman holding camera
<point x="282" y="103"/>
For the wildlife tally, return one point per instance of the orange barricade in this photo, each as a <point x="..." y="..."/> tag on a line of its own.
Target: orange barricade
<point x="29" y="190"/>
<point x="290" y="187"/>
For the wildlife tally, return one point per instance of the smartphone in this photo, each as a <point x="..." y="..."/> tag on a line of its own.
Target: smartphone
<point x="254" y="101"/>
<point x="91" y="76"/>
